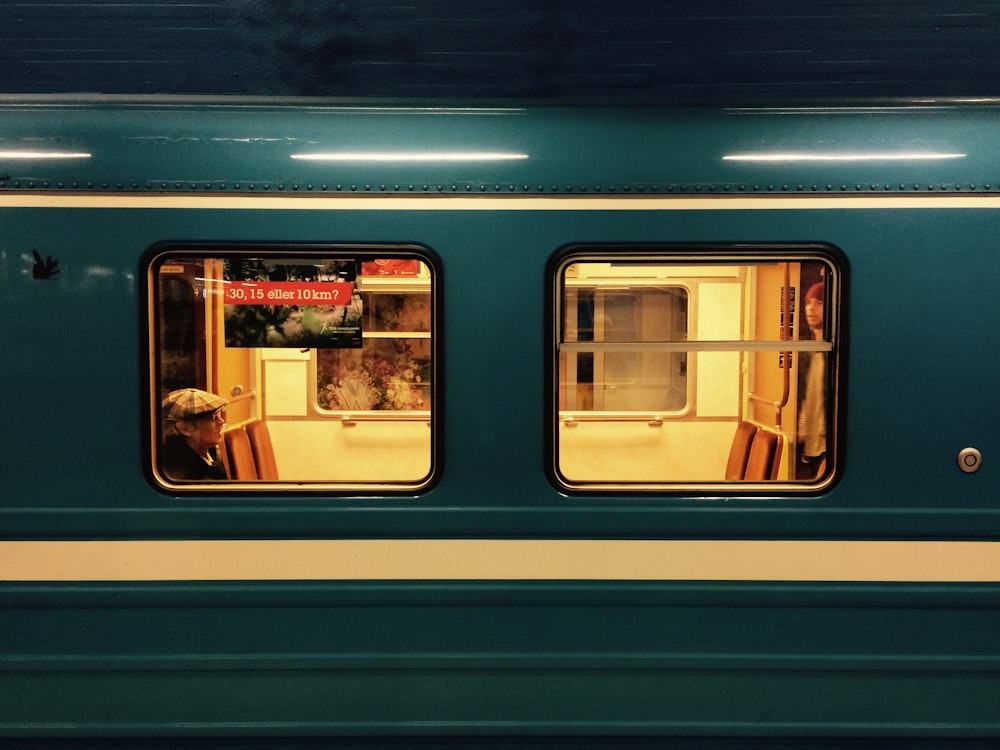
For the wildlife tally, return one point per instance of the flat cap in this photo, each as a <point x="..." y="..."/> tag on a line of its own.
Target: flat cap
<point x="191" y="403"/>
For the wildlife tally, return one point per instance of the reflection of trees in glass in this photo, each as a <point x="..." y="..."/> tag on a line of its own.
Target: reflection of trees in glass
<point x="180" y="363"/>
<point x="397" y="312"/>
<point x="294" y="326"/>
<point x="258" y="269"/>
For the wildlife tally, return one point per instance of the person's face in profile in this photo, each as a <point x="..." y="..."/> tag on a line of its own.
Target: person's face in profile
<point x="203" y="433"/>
<point x="814" y="312"/>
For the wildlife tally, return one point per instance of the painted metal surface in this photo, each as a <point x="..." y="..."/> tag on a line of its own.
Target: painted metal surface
<point x="889" y="251"/>
<point x="219" y="148"/>
<point x="867" y="610"/>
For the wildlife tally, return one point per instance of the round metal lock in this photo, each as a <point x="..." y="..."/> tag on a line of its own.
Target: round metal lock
<point x="970" y="460"/>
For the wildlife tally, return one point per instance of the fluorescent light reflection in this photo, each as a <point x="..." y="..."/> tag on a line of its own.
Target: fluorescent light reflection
<point x="845" y="157"/>
<point x="37" y="155"/>
<point x="410" y="156"/>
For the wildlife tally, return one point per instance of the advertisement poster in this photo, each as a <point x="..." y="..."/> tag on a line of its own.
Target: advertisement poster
<point x="391" y="267"/>
<point x="291" y="303"/>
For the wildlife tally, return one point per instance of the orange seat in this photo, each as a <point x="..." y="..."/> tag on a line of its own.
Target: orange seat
<point x="263" y="451"/>
<point x="739" y="453"/>
<point x="776" y="458"/>
<point x="240" y="455"/>
<point x="224" y="458"/>
<point x="765" y="456"/>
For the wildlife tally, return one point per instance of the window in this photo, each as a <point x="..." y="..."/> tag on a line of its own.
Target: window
<point x="292" y="367"/>
<point x="608" y="368"/>
<point x="692" y="369"/>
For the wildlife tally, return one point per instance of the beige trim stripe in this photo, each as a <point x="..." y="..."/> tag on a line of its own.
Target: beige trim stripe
<point x="425" y="202"/>
<point x="507" y="560"/>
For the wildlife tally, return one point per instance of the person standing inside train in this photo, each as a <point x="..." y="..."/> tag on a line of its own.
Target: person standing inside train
<point x="812" y="390"/>
<point x="193" y="421"/>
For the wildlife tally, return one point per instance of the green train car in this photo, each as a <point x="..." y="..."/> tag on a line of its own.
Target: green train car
<point x="538" y="424"/>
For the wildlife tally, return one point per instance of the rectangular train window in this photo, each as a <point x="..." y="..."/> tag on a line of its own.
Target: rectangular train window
<point x="292" y="367"/>
<point x="695" y="370"/>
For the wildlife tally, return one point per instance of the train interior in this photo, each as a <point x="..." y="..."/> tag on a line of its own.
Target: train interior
<point x="680" y="372"/>
<point x="320" y="389"/>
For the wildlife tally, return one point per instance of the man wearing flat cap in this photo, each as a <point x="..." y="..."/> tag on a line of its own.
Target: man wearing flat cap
<point x="192" y="423"/>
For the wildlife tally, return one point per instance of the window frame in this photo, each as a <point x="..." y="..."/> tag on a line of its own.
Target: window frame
<point x="600" y="360"/>
<point x="151" y="263"/>
<point x="701" y="254"/>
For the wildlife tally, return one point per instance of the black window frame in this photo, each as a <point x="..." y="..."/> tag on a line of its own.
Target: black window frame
<point x="704" y="253"/>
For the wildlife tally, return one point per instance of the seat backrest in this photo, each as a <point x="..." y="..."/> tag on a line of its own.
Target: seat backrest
<point x="224" y="458"/>
<point x="779" y="446"/>
<point x="263" y="451"/>
<point x="240" y="455"/>
<point x="765" y="456"/>
<point x="739" y="453"/>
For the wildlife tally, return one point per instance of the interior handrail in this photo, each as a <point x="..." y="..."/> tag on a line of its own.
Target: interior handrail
<point x="353" y="418"/>
<point x="651" y="420"/>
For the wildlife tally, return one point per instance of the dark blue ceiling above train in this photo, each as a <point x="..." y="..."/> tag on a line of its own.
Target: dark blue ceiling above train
<point x="503" y="48"/>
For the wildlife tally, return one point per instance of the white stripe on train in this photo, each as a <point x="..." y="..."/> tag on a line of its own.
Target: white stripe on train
<point x="502" y="560"/>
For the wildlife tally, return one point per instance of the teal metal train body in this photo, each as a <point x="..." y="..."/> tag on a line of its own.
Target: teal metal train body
<point x="496" y="602"/>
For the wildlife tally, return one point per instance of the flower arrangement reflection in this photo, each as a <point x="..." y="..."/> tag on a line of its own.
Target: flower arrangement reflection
<point x="386" y="374"/>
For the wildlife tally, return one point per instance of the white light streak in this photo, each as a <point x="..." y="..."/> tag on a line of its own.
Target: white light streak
<point x="793" y="156"/>
<point x="41" y="155"/>
<point x="410" y="156"/>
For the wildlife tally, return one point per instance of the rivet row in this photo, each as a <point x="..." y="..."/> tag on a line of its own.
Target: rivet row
<point x="501" y="188"/>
